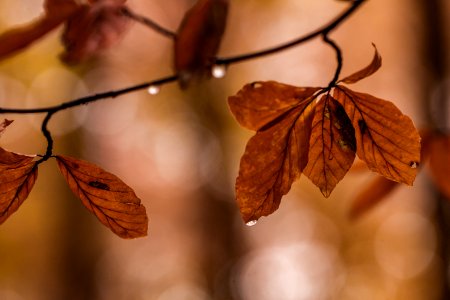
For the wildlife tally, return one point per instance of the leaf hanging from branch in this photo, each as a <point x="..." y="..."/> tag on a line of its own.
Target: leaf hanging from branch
<point x="18" y="174"/>
<point x="367" y="71"/>
<point x="275" y="157"/>
<point x="112" y="201"/>
<point x="198" y="39"/>
<point x="332" y="145"/>
<point x="386" y="139"/>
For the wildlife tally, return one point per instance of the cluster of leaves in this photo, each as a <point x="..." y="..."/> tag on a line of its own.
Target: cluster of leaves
<point x="317" y="132"/>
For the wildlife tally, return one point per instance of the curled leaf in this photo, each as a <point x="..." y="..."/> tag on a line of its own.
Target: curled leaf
<point x="367" y="71"/>
<point x="18" y="174"/>
<point x="92" y="29"/>
<point x="275" y="157"/>
<point x="386" y="139"/>
<point x="440" y="163"/>
<point x="112" y="201"/>
<point x="371" y="195"/>
<point x="332" y="145"/>
<point x="259" y="103"/>
<point x="198" y="39"/>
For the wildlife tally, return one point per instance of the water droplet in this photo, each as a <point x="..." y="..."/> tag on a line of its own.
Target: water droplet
<point x="252" y="223"/>
<point x="413" y="165"/>
<point x="219" y="71"/>
<point x="154" y="90"/>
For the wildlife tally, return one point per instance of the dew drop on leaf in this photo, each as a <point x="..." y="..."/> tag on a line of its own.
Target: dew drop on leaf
<point x="154" y="90"/>
<point x="251" y="223"/>
<point x="219" y="71"/>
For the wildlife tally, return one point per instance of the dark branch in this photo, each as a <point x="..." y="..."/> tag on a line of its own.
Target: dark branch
<point x="321" y="31"/>
<point x="149" y="23"/>
<point x="338" y="51"/>
<point x="48" y="136"/>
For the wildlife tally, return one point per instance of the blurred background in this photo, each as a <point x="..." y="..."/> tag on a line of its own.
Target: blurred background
<point x="180" y="152"/>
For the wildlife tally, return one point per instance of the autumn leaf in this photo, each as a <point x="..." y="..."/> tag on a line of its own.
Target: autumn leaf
<point x="17" y="39"/>
<point x="367" y="71"/>
<point x="18" y="174"/>
<point x="275" y="157"/>
<point x="386" y="140"/>
<point x="113" y="202"/>
<point x="92" y="29"/>
<point x="198" y="39"/>
<point x="440" y="163"/>
<point x="4" y="124"/>
<point x="332" y="145"/>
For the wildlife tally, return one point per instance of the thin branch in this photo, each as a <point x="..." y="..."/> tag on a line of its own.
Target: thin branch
<point x="48" y="136"/>
<point x="321" y="31"/>
<point x="149" y="23"/>
<point x="338" y="51"/>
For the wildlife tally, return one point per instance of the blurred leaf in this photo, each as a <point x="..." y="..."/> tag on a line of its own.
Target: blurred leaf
<point x="332" y="145"/>
<point x="92" y="29"/>
<point x="112" y="201"/>
<point x="275" y="157"/>
<point x="367" y="71"/>
<point x="386" y="139"/>
<point x="440" y="163"/>
<point x="16" y="39"/>
<point x="198" y="39"/>
<point x="371" y="195"/>
<point x="18" y="174"/>
<point x="260" y="103"/>
<point x="5" y="124"/>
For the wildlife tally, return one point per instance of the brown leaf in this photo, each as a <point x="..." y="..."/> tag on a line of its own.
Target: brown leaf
<point x="260" y="103"/>
<point x="18" y="174"/>
<point x="16" y="39"/>
<point x="5" y="124"/>
<point x="94" y="28"/>
<point x="386" y="139"/>
<point x="332" y="145"/>
<point x="113" y="202"/>
<point x="198" y="39"/>
<point x="274" y="158"/>
<point x="367" y="71"/>
<point x="440" y="163"/>
<point x="371" y="195"/>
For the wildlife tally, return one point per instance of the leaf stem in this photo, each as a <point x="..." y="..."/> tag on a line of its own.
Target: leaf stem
<point x="149" y="23"/>
<point x="324" y="30"/>
<point x="338" y="51"/>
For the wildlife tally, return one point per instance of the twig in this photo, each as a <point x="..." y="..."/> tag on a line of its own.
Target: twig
<point x="148" y="22"/>
<point x="338" y="51"/>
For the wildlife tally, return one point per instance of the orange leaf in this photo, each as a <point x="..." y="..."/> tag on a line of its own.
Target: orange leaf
<point x="113" y="202"/>
<point x="440" y="163"/>
<point x="16" y="39"/>
<point x="92" y="29"/>
<point x="367" y="71"/>
<point x="332" y="145"/>
<point x="386" y="139"/>
<point x="274" y="158"/>
<point x="198" y="39"/>
<point x="260" y="103"/>
<point x="5" y="124"/>
<point x="371" y="195"/>
<point x="18" y="174"/>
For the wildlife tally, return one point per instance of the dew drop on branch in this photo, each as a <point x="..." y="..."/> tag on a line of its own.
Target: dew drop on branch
<point x="219" y="71"/>
<point x="251" y="223"/>
<point x="154" y="90"/>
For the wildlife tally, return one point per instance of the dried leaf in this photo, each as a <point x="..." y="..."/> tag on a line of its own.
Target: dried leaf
<point x="16" y="39"/>
<point x="274" y="158"/>
<point x="198" y="39"/>
<point x="367" y="71"/>
<point x="259" y="103"/>
<point x="113" y="202"/>
<point x="5" y="124"/>
<point x="332" y="145"/>
<point x="92" y="29"/>
<point x="440" y="163"/>
<point x="371" y="195"/>
<point x="18" y="174"/>
<point x="386" y="139"/>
